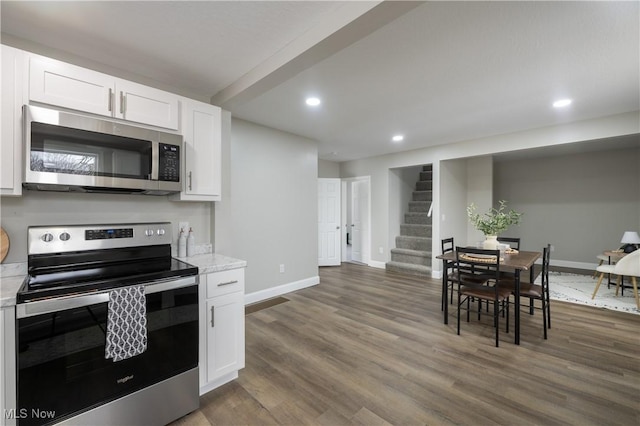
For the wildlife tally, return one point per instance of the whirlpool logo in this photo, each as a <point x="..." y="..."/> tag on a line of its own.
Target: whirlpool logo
<point x="124" y="379"/>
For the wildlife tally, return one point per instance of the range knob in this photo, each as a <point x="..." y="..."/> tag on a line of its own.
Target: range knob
<point x="65" y="236"/>
<point x="148" y="232"/>
<point x="160" y="231"/>
<point x="47" y="237"/>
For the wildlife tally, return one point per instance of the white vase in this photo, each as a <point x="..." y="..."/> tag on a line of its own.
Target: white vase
<point x="490" y="242"/>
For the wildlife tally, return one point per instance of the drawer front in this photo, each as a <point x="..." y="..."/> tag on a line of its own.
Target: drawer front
<point x="225" y="282"/>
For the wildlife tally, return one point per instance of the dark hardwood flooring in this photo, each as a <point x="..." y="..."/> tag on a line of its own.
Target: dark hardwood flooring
<point x="368" y="347"/>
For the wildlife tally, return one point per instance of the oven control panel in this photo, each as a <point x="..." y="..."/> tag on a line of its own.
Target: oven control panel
<point x="59" y="239"/>
<point x="103" y="234"/>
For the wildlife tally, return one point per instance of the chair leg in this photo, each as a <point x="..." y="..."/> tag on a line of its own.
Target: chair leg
<point x="546" y="292"/>
<point x="544" y="315"/>
<point x="635" y="291"/>
<point x="507" y="308"/>
<point x="458" y="312"/>
<point x="598" y="285"/>
<point x="530" y="306"/>
<point x="596" y="272"/>
<point x="618" y="280"/>
<point x="495" y="320"/>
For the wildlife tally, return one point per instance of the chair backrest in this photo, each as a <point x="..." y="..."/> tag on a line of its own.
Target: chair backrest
<point x="474" y="263"/>
<point x="629" y="265"/>
<point x="514" y="243"/>
<point x="447" y="245"/>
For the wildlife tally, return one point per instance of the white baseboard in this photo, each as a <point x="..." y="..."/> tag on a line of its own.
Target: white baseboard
<point x="571" y="264"/>
<point x="436" y="274"/>
<point x="377" y="264"/>
<point x="272" y="292"/>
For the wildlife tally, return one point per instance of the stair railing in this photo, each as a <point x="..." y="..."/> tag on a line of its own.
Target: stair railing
<point x="430" y="209"/>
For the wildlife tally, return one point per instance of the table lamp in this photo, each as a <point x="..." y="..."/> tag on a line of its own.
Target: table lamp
<point x="630" y="239"/>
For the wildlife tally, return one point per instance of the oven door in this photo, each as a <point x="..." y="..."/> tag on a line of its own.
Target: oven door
<point x="62" y="370"/>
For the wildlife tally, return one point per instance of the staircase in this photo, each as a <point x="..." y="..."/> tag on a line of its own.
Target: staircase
<point x="412" y="254"/>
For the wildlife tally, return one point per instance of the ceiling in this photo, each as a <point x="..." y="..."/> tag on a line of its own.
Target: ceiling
<point x="435" y="72"/>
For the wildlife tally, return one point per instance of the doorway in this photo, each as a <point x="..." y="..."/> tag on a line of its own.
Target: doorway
<point x="356" y="219"/>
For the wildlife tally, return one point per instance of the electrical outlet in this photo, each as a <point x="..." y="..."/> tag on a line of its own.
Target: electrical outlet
<point x="381" y="249"/>
<point x="282" y="268"/>
<point x="553" y="248"/>
<point x="183" y="226"/>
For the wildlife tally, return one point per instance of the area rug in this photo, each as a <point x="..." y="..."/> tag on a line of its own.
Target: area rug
<point x="575" y="288"/>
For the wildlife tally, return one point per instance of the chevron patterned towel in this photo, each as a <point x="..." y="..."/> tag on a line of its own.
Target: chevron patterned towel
<point x="126" y="323"/>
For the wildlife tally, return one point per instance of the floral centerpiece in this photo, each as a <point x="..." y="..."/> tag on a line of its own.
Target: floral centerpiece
<point x="493" y="222"/>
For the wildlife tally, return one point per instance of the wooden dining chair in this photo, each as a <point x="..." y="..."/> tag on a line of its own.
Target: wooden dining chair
<point x="479" y="279"/>
<point x="514" y="243"/>
<point x="533" y="292"/>
<point x="448" y="246"/>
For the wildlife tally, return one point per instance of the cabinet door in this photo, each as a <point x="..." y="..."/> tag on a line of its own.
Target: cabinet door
<point x="11" y="95"/>
<point x="57" y="83"/>
<point x="225" y="335"/>
<point x="143" y="104"/>
<point x="7" y="366"/>
<point x="203" y="148"/>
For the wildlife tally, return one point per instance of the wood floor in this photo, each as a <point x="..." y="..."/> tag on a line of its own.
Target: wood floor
<point x="368" y="347"/>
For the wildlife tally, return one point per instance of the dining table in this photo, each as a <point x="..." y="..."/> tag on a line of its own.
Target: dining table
<point x="514" y="261"/>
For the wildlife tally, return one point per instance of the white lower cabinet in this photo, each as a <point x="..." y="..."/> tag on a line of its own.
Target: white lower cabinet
<point x="7" y="366"/>
<point x="221" y="327"/>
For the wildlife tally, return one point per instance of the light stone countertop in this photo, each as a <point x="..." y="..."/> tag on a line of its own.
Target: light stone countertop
<point x="213" y="262"/>
<point x="10" y="280"/>
<point x="9" y="286"/>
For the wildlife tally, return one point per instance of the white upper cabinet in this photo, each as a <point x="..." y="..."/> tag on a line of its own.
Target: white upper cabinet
<point x="58" y="83"/>
<point x="202" y="166"/>
<point x="147" y="105"/>
<point x="14" y="64"/>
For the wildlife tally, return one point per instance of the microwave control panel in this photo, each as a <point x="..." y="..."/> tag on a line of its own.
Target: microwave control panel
<point x="169" y="163"/>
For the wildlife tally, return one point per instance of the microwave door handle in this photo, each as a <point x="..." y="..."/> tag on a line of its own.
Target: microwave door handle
<point x="155" y="159"/>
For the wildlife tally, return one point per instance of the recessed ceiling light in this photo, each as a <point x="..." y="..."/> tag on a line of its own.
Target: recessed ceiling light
<point x="397" y="138"/>
<point x="313" y="101"/>
<point x="562" y="103"/>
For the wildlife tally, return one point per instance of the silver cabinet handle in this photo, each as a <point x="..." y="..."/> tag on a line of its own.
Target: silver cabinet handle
<point x="227" y="283"/>
<point x="122" y="99"/>
<point x="110" y="100"/>
<point x="190" y="180"/>
<point x="213" y="316"/>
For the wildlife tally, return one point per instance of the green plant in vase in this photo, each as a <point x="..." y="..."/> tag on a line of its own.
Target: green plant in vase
<point x="493" y="222"/>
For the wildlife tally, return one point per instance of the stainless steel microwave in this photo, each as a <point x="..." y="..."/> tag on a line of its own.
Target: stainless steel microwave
<point x="72" y="152"/>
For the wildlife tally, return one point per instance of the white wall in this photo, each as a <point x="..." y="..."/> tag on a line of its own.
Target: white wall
<point x="328" y="169"/>
<point x="479" y="191"/>
<point x="268" y="215"/>
<point x="378" y="167"/>
<point x="580" y="203"/>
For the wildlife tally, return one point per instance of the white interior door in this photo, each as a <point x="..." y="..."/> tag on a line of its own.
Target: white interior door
<point x="356" y="221"/>
<point x="329" y="222"/>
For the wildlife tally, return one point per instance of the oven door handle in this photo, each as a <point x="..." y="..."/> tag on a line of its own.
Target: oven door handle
<point x="39" y="307"/>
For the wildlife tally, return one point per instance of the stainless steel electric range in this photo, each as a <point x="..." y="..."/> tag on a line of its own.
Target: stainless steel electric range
<point x="65" y="319"/>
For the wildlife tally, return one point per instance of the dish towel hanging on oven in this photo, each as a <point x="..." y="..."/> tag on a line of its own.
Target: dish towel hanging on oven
<point x="126" y="323"/>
